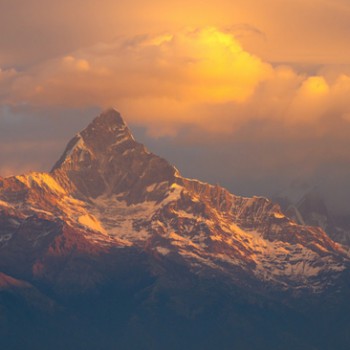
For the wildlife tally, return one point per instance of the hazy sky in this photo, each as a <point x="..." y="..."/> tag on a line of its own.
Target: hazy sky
<point x="249" y="94"/>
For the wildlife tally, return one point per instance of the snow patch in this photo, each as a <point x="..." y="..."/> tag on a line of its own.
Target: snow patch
<point x="162" y="250"/>
<point x="6" y="237"/>
<point x="79" y="144"/>
<point x="91" y="223"/>
<point x="5" y="204"/>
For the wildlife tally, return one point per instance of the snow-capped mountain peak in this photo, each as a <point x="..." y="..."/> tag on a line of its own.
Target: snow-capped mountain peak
<point x="108" y="192"/>
<point x="104" y="159"/>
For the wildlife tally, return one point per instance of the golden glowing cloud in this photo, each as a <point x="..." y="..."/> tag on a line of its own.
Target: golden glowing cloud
<point x="221" y="71"/>
<point x="315" y="87"/>
<point x="200" y="77"/>
<point x="165" y="76"/>
<point x="77" y="64"/>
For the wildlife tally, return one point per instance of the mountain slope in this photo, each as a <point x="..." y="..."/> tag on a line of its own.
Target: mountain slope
<point x="115" y="232"/>
<point x="112" y="192"/>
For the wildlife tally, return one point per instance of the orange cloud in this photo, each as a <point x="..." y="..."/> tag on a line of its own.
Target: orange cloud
<point x="199" y="77"/>
<point x="161" y="78"/>
<point x="76" y="64"/>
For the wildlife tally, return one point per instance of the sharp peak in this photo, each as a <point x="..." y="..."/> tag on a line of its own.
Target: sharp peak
<point x="108" y="123"/>
<point x="104" y="158"/>
<point x="102" y="132"/>
<point x="107" y="119"/>
<point x="110" y="115"/>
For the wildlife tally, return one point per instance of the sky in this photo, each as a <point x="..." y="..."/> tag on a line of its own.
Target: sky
<point x="252" y="95"/>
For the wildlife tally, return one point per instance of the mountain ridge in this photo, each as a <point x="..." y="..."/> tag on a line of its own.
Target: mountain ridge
<point x="110" y="187"/>
<point x="115" y="249"/>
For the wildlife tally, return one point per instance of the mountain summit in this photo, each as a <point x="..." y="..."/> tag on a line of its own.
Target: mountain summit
<point x="104" y="159"/>
<point x="108" y="184"/>
<point x="112" y="219"/>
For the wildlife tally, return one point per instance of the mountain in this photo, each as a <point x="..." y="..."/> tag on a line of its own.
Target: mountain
<point x="306" y="206"/>
<point x="115" y="249"/>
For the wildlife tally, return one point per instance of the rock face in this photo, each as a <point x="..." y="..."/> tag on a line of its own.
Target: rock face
<point x="111" y="216"/>
<point x="104" y="159"/>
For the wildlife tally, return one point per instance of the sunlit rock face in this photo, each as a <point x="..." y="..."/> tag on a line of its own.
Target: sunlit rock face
<point x="114" y="246"/>
<point x="104" y="159"/>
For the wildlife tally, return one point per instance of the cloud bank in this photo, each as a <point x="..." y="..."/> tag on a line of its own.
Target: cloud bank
<point x="201" y="77"/>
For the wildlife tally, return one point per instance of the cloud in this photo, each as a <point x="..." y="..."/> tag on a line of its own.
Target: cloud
<point x="201" y="78"/>
<point x="45" y="30"/>
<point x="159" y="78"/>
<point x="33" y="138"/>
<point x="6" y="78"/>
<point x="16" y="156"/>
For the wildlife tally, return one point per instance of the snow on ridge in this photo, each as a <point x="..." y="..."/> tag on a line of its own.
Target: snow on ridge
<point x="119" y="220"/>
<point x="5" y="204"/>
<point x="162" y="250"/>
<point x="122" y="138"/>
<point x="43" y="180"/>
<point x="78" y="143"/>
<point x="90" y="222"/>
